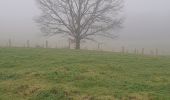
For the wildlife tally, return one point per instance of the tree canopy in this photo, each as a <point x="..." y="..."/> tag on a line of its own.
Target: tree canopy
<point x="80" y="19"/>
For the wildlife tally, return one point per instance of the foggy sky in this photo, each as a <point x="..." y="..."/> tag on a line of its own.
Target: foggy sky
<point x="147" y="23"/>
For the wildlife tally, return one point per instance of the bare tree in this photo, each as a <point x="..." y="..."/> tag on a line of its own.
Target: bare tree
<point x="80" y="19"/>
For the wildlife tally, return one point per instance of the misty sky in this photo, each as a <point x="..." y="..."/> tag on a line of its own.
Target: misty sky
<point x="147" y="23"/>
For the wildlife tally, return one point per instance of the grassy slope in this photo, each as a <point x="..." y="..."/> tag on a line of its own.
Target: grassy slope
<point x="50" y="74"/>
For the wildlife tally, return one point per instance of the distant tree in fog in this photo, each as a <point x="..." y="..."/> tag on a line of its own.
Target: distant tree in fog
<point x="80" y="19"/>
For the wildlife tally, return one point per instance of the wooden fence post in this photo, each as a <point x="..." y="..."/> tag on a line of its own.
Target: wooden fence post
<point x="123" y="49"/>
<point x="46" y="44"/>
<point x="98" y="46"/>
<point x="143" y="51"/>
<point x="127" y="51"/>
<point x="152" y="53"/>
<point x="135" y="51"/>
<point x="28" y="43"/>
<point x="69" y="43"/>
<point x="156" y="52"/>
<point x="9" y="43"/>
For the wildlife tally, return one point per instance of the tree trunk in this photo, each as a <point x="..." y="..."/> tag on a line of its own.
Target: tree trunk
<point x="77" y="45"/>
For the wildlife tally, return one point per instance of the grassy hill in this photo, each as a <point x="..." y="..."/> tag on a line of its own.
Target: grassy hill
<point x="51" y="74"/>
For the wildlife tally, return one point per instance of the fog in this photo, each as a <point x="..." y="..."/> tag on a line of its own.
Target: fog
<point x="147" y="25"/>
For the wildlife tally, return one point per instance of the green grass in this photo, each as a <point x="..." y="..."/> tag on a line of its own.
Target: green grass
<point x="51" y="74"/>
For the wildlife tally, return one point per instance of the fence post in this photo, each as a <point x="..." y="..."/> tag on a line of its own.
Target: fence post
<point x="143" y="50"/>
<point x="28" y="43"/>
<point x="135" y="51"/>
<point x="69" y="43"/>
<point x="156" y="52"/>
<point x="152" y="53"/>
<point x="9" y="43"/>
<point x="98" y="46"/>
<point x="46" y="44"/>
<point x="127" y="51"/>
<point x="123" y="49"/>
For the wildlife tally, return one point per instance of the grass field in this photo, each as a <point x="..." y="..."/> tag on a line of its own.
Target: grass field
<point x="51" y="74"/>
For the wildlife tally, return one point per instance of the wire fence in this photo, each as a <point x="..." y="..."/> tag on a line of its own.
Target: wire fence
<point x="69" y="45"/>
